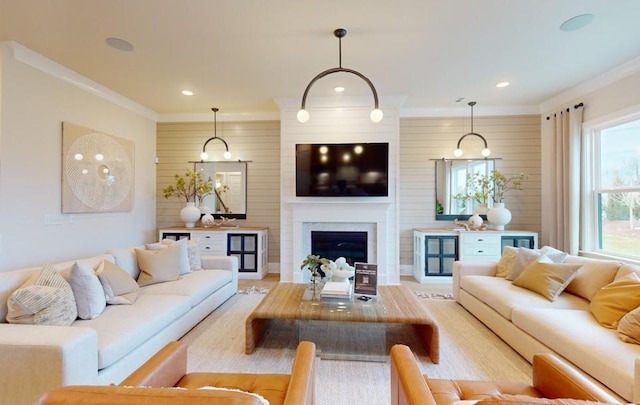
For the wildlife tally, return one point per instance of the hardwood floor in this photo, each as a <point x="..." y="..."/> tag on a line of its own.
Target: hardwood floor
<point x="273" y="278"/>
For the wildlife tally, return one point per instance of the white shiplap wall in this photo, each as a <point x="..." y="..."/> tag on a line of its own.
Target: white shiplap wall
<point x="255" y="141"/>
<point x="515" y="140"/>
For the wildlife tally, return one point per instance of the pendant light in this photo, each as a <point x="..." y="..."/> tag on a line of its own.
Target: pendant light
<point x="204" y="155"/>
<point x="486" y="151"/>
<point x="376" y="114"/>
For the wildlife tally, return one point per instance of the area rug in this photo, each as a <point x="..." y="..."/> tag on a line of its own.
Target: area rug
<point x="468" y="350"/>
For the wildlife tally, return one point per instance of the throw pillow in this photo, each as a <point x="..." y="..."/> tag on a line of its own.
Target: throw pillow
<point x="195" y="262"/>
<point x="156" y="246"/>
<point x="546" y="278"/>
<point x="592" y="276"/>
<point x="615" y="300"/>
<point x="184" y="264"/>
<point x="527" y="256"/>
<point x="158" y="266"/>
<point x="119" y="287"/>
<point x="629" y="327"/>
<point x="509" y="255"/>
<point x="523" y="258"/>
<point x="87" y="291"/>
<point x="44" y="299"/>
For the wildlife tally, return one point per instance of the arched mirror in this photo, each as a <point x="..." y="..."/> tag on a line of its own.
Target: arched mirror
<point x="452" y="186"/>
<point x="229" y="195"/>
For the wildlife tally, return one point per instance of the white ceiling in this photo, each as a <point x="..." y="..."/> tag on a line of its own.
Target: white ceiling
<point x="240" y="55"/>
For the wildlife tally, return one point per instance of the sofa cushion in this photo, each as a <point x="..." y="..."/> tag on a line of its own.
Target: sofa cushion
<point x="87" y="291"/>
<point x="196" y="286"/>
<point x="527" y="400"/>
<point x="592" y="276"/>
<point x="615" y="300"/>
<point x="184" y="266"/>
<point x="119" y="287"/>
<point x="9" y="282"/>
<point x="578" y="337"/>
<point x="501" y="295"/>
<point x="546" y="278"/>
<point x="158" y="266"/>
<point x="44" y="299"/>
<point x="629" y="327"/>
<point x="509" y="254"/>
<point x="527" y="256"/>
<point x="126" y="259"/>
<point x="122" y="328"/>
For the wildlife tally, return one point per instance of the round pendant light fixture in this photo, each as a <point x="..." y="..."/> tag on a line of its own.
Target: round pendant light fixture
<point x="486" y="151"/>
<point x="376" y="114"/>
<point x="204" y="155"/>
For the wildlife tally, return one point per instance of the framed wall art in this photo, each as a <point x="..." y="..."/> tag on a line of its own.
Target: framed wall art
<point x="97" y="171"/>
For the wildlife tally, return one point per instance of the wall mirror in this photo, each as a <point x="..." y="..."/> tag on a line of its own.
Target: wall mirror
<point x="451" y="180"/>
<point x="229" y="196"/>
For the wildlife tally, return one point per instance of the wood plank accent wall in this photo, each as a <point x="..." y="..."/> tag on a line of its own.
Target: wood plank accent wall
<point x="514" y="139"/>
<point x="255" y="141"/>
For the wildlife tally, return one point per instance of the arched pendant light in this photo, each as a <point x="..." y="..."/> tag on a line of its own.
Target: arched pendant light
<point x="204" y="155"/>
<point x="376" y="113"/>
<point x="486" y="151"/>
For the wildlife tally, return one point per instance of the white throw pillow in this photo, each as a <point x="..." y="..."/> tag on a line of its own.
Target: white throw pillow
<point x="87" y="291"/>
<point x="44" y="299"/>
<point x="158" y="266"/>
<point x="183" y="244"/>
<point x="119" y="287"/>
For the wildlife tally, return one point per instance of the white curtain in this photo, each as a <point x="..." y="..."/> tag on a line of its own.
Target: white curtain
<point x="561" y="194"/>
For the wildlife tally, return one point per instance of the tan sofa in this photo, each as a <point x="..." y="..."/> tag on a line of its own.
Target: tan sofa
<point x="551" y="379"/>
<point x="164" y="380"/>
<point x="532" y="324"/>
<point x="108" y="348"/>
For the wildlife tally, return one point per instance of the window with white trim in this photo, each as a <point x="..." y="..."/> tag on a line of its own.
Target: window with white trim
<point x="611" y="220"/>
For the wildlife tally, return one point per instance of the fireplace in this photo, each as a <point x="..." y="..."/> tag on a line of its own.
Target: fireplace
<point x="333" y="244"/>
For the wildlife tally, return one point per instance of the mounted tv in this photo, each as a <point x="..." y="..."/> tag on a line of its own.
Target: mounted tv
<point x="342" y="170"/>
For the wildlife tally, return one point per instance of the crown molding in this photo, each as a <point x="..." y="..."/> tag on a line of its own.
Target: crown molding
<point x="464" y="111"/>
<point x="205" y="117"/>
<point x="618" y="73"/>
<point x="35" y="60"/>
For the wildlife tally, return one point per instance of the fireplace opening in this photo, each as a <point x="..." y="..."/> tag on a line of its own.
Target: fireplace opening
<point x="333" y="244"/>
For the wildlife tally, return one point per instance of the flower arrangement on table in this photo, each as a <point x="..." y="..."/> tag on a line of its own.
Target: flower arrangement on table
<point x="493" y="187"/>
<point x="314" y="263"/>
<point x="189" y="187"/>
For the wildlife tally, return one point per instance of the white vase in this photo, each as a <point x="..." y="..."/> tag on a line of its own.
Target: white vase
<point x="190" y="215"/>
<point x="499" y="216"/>
<point x="475" y="220"/>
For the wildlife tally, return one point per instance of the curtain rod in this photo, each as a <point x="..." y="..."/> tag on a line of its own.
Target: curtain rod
<point x="575" y="107"/>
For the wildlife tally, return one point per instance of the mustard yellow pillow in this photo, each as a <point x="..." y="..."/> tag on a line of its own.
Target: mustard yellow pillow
<point x="546" y="278"/>
<point x="615" y="300"/>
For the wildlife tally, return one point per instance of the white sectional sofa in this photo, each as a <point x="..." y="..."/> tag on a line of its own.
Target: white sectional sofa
<point x="104" y="350"/>
<point x="531" y="323"/>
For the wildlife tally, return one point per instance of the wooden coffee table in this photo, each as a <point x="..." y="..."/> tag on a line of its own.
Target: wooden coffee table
<point x="397" y="305"/>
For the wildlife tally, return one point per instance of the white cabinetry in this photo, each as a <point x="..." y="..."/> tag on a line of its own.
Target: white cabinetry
<point x="249" y="244"/>
<point x="435" y="250"/>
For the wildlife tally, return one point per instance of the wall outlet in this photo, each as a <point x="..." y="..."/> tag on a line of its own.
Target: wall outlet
<point x="52" y="219"/>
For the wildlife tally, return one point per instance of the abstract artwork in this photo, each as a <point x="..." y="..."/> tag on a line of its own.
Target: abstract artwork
<point x="97" y="171"/>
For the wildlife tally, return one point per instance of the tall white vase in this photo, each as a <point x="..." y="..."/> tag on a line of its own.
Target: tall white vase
<point x="190" y="215"/>
<point x="499" y="216"/>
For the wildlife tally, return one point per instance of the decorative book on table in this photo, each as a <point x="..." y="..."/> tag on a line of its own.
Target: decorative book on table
<point x="336" y="289"/>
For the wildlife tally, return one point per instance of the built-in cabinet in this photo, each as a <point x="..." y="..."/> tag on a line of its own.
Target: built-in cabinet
<point x="435" y="250"/>
<point x="249" y="244"/>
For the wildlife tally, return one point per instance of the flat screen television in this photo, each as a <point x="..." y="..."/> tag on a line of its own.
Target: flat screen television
<point x="342" y="170"/>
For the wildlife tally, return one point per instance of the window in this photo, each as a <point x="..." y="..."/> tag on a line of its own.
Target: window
<point x="612" y="209"/>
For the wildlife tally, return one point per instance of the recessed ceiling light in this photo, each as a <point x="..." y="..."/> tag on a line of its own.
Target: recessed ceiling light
<point x="119" y="44"/>
<point x="187" y="92"/>
<point x="577" y="22"/>
<point x="502" y="84"/>
<point x="339" y="89"/>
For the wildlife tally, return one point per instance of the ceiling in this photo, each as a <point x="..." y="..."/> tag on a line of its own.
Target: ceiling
<point x="241" y="55"/>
